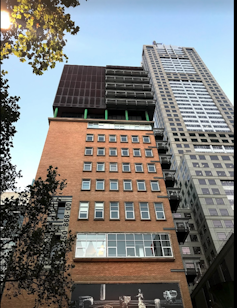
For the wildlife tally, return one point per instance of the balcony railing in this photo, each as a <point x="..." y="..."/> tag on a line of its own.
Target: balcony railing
<point x="128" y="86"/>
<point x="123" y="79"/>
<point x="129" y="94"/>
<point x="125" y="72"/>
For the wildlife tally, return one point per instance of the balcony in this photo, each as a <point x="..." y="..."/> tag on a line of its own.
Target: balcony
<point x="169" y="177"/>
<point x="159" y="133"/>
<point x="174" y="198"/>
<point x="162" y="147"/>
<point x="123" y="79"/>
<point x="128" y="86"/>
<point x="117" y="103"/>
<point x="192" y="271"/>
<point x="128" y="94"/>
<point x="126" y="72"/>
<point x="182" y="231"/>
<point x="165" y="161"/>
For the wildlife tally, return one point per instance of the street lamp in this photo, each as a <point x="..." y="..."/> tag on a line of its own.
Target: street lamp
<point x="5" y="20"/>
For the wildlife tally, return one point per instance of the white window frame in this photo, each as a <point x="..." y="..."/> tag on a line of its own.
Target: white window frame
<point x="135" y="137"/>
<point x="89" y="135"/>
<point x="83" y="181"/>
<point x="146" y="153"/>
<point x="127" y="164"/>
<point x="99" y="207"/>
<point x="83" y="209"/>
<point x="98" y="149"/>
<point x="122" y="136"/>
<point x="152" y="188"/>
<point x="131" y="204"/>
<point x="101" y="136"/>
<point x="113" y="149"/>
<point x="144" y="210"/>
<point x="102" y="181"/>
<point x="141" y="182"/>
<point x="114" y="210"/>
<point x="88" y="164"/>
<point x="158" y="210"/>
<point x="115" y="164"/>
<point x="91" y="151"/>
<point x="130" y="181"/>
<point x="149" y="139"/>
<point x="110" y="182"/>
<point x="125" y="149"/>
<point x="111" y="136"/>
<point x="102" y="164"/>
<point x="134" y="152"/>
<point x="138" y="164"/>
<point x="149" y="165"/>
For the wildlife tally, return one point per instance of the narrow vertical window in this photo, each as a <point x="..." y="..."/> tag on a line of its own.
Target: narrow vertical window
<point x="144" y="211"/>
<point x="159" y="210"/>
<point x="114" y="210"/>
<point x="83" y="210"/>
<point x="129" y="210"/>
<point x="99" y="210"/>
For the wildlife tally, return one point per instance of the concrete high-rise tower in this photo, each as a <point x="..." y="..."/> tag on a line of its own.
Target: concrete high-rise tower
<point x="197" y="118"/>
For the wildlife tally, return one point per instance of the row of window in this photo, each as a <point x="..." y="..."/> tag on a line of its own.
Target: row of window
<point x="114" y="185"/>
<point x="123" y="245"/>
<point x="128" y="208"/>
<point x="114" y="152"/>
<point x="113" y="167"/>
<point x="113" y="138"/>
<point x="209" y="173"/>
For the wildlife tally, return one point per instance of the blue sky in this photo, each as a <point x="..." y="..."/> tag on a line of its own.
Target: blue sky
<point x="113" y="32"/>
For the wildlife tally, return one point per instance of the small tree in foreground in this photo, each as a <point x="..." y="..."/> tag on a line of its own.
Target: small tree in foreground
<point x="34" y="259"/>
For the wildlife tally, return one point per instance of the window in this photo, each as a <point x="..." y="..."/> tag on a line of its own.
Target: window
<point x="144" y="211"/>
<point x="214" y="157"/>
<point x="202" y="182"/>
<point x="89" y="137"/>
<point x="217" y="224"/>
<point x="202" y="157"/>
<point x="217" y="165"/>
<point x="126" y="167"/>
<point x="193" y="238"/>
<point x="100" y="151"/>
<point x="136" y="152"/>
<point x="186" y="251"/>
<point x="124" y="152"/>
<point x="208" y="173"/>
<point x="61" y="210"/>
<point x="221" y="173"/>
<point x="86" y="185"/>
<point x="159" y="210"/>
<point x="146" y="139"/>
<point x="100" y="167"/>
<point x="129" y="210"/>
<point x="88" y="151"/>
<point x="101" y="138"/>
<point x="151" y="167"/>
<point x="229" y="224"/>
<point x="99" y="210"/>
<point x="211" y="182"/>
<point x="205" y="191"/>
<point x="112" y="138"/>
<point x="224" y="212"/>
<point x="155" y="186"/>
<point x="121" y="245"/>
<point x="123" y="138"/>
<point x="87" y="166"/>
<point x="141" y="185"/>
<point x="135" y="139"/>
<point x="113" y="184"/>
<point x="198" y="172"/>
<point x="112" y="152"/>
<point x="213" y="212"/>
<point x="225" y="157"/>
<point x="114" y="210"/>
<point x="113" y="167"/>
<point x="100" y="184"/>
<point x="127" y="185"/>
<point x="215" y="191"/>
<point x="219" y="201"/>
<point x="148" y="153"/>
<point x="83" y="210"/>
<point x="197" y="250"/>
<point x="221" y="236"/>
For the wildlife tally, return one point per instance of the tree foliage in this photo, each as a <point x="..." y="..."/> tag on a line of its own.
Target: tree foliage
<point x="37" y="34"/>
<point x="34" y="259"/>
<point x="9" y="114"/>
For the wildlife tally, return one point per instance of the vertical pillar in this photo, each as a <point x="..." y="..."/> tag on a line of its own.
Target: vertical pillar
<point x="85" y="113"/>
<point x="106" y="114"/>
<point x="55" y="112"/>
<point x="147" y="116"/>
<point x="126" y="115"/>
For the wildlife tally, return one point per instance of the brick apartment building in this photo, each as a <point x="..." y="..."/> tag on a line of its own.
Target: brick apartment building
<point x="116" y="201"/>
